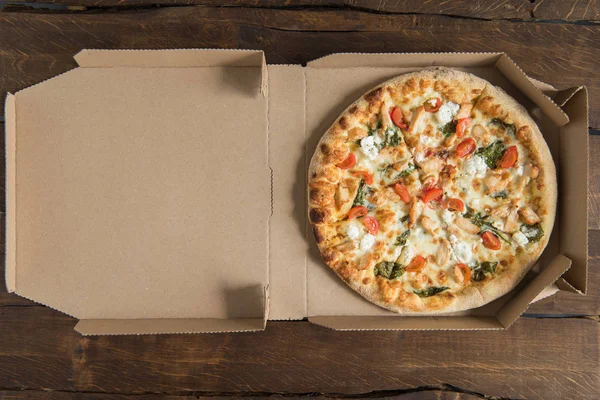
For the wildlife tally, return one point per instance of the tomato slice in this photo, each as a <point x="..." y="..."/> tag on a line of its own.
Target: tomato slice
<point x="398" y="118"/>
<point x="432" y="108"/>
<point x="432" y="194"/>
<point x="401" y="191"/>
<point x="416" y="264"/>
<point x="490" y="240"/>
<point x="464" y="271"/>
<point x="348" y="162"/>
<point x="357" y="211"/>
<point x="371" y="224"/>
<point x="367" y="177"/>
<point x="509" y="157"/>
<point x="466" y="147"/>
<point x="462" y="125"/>
<point x="454" y="204"/>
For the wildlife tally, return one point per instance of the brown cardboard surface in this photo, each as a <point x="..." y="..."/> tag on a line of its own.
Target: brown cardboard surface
<point x="287" y="157"/>
<point x="139" y="214"/>
<point x="140" y="196"/>
<point x="390" y="322"/>
<point x="515" y="307"/>
<point x="11" y="226"/>
<point x="572" y="201"/>
<point x="162" y="326"/>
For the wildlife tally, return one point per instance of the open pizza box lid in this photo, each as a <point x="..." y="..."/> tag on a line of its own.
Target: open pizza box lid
<point x="165" y="191"/>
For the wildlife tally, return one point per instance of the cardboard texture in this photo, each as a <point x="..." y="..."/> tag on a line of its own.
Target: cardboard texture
<point x="147" y="208"/>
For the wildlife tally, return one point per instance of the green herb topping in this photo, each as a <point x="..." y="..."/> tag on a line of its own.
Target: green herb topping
<point x="533" y="233"/>
<point x="389" y="270"/>
<point x="479" y="271"/>
<point x="503" y="194"/>
<point x="449" y="129"/>
<point x="401" y="240"/>
<point x="406" y="172"/>
<point x="481" y="220"/>
<point x="430" y="291"/>
<point x="510" y="128"/>
<point x="491" y="154"/>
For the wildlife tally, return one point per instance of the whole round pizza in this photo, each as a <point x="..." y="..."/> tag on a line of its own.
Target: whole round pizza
<point x="434" y="192"/>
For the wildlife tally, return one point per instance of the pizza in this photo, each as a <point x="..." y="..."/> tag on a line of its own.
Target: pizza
<point x="434" y="192"/>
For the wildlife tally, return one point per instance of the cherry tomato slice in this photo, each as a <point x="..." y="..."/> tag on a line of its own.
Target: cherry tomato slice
<point x="432" y="108"/>
<point x="432" y="194"/>
<point x="454" y="204"/>
<point x="401" y="191"/>
<point x="371" y="224"/>
<point x="462" y="125"/>
<point x="357" y="211"/>
<point x="367" y="177"/>
<point x="348" y="162"/>
<point x="462" y="270"/>
<point x="509" y="157"/>
<point x="466" y="147"/>
<point x="416" y="264"/>
<point x="398" y="118"/>
<point x="490" y="240"/>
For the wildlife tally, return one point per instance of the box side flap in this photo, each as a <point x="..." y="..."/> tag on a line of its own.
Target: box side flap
<point x="287" y="158"/>
<point x="179" y="58"/>
<point x="519" y="303"/>
<point x="124" y="213"/>
<point x="519" y="79"/>
<point x="374" y="323"/>
<point x="561" y="97"/>
<point x="573" y="188"/>
<point x="345" y="60"/>
<point x="89" y="327"/>
<point x="11" y="188"/>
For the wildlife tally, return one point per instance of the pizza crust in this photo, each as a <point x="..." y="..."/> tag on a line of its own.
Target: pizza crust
<point x="332" y="149"/>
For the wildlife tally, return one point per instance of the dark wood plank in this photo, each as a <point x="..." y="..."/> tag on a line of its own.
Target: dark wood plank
<point x="294" y="36"/>
<point x="569" y="10"/>
<point x="535" y="358"/>
<point x="39" y="395"/>
<point x="514" y="9"/>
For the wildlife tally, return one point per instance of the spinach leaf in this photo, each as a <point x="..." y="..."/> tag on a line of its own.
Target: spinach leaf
<point x="449" y="129"/>
<point x="404" y="219"/>
<point x="389" y="270"/>
<point x="503" y="194"/>
<point x="407" y="171"/>
<point x="401" y="240"/>
<point x="479" y="272"/>
<point x="359" y="200"/>
<point x="491" y="154"/>
<point x="510" y="128"/>
<point x="373" y="130"/>
<point x="480" y="220"/>
<point x="392" y="137"/>
<point x="430" y="291"/>
<point x="533" y="233"/>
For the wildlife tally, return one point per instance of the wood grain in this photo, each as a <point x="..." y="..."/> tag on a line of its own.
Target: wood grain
<point x="535" y="358"/>
<point x="517" y="9"/>
<point x="417" y="395"/>
<point x="294" y="36"/>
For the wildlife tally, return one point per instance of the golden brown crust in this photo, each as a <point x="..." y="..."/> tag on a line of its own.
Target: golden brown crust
<point x="329" y="191"/>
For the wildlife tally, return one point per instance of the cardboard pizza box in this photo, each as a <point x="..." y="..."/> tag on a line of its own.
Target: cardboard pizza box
<point x="165" y="191"/>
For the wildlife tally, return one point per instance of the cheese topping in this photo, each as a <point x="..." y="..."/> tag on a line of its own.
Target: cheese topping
<point x="368" y="148"/>
<point x="447" y="112"/>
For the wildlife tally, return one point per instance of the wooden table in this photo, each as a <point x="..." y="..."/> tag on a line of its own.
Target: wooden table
<point x="552" y="352"/>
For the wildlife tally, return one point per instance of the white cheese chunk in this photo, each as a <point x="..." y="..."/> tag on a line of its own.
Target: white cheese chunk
<point x="368" y="148"/>
<point x="475" y="166"/>
<point x="353" y="232"/>
<point x="463" y="252"/>
<point x="426" y="141"/>
<point x="447" y="112"/>
<point x="447" y="217"/>
<point x="519" y="170"/>
<point x="531" y="232"/>
<point x="367" y="242"/>
<point x="453" y="239"/>
<point x="520" y="239"/>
